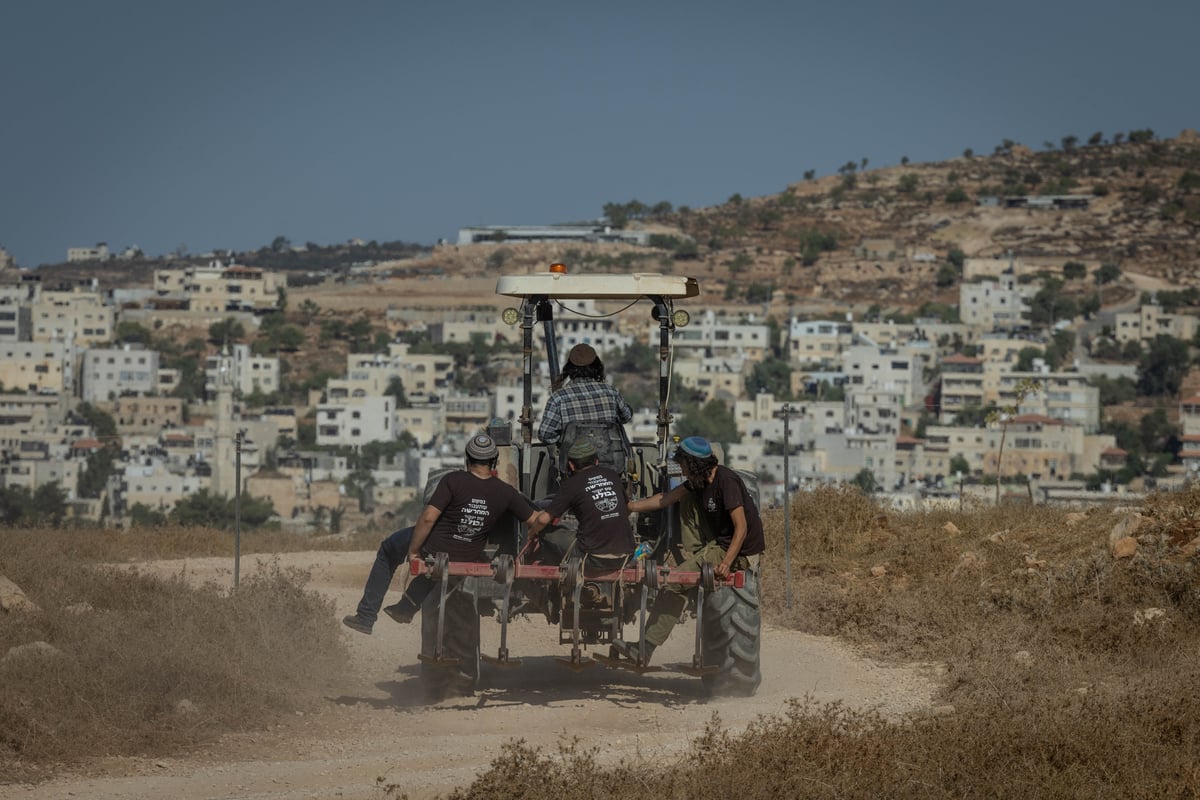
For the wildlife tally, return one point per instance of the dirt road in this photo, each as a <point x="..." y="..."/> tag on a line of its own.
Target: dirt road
<point x="379" y="726"/>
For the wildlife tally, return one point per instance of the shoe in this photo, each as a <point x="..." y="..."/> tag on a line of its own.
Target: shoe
<point x="400" y="612"/>
<point x="356" y="623"/>
<point x="630" y="651"/>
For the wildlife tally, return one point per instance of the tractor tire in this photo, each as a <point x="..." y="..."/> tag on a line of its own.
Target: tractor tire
<point x="732" y="630"/>
<point x="460" y="640"/>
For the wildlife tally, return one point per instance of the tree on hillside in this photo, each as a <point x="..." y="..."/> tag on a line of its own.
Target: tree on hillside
<point x="865" y="481"/>
<point x="225" y="331"/>
<point x="1163" y="366"/>
<point x="772" y="376"/>
<point x="713" y="421"/>
<point x="1073" y="270"/>
<point x="208" y="510"/>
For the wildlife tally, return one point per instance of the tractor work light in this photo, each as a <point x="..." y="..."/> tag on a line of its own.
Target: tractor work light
<point x="681" y="318"/>
<point x="510" y="316"/>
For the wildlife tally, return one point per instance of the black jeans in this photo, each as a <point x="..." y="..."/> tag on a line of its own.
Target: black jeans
<point x="393" y="551"/>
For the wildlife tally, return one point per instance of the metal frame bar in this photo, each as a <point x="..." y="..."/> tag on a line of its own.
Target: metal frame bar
<point x="737" y="580"/>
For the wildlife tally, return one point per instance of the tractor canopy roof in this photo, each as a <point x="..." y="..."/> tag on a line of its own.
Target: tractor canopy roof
<point x="599" y="286"/>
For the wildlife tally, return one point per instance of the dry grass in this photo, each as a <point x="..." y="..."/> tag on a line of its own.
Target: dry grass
<point x="145" y="665"/>
<point x="177" y="541"/>
<point x="1054" y="688"/>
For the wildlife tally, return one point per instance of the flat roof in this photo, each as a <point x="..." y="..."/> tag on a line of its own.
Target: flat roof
<point x="600" y="286"/>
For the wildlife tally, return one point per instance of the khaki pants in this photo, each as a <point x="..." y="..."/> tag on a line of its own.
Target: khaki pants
<point x="671" y="600"/>
<point x="694" y="530"/>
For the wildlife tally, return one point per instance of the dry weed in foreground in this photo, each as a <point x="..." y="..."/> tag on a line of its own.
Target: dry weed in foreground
<point x="142" y="665"/>
<point x="1083" y="749"/>
<point x="1069" y="673"/>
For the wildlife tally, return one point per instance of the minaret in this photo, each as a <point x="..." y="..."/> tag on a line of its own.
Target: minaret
<point x="224" y="480"/>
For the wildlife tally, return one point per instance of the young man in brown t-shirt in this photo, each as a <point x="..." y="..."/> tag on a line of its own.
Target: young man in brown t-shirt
<point x="595" y="496"/>
<point x="463" y="509"/>
<point x="727" y="510"/>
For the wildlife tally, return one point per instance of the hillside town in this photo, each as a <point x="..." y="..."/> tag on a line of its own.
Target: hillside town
<point x="918" y="409"/>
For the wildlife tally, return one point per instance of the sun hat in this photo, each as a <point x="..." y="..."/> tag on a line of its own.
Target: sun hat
<point x="482" y="448"/>
<point x="582" y="355"/>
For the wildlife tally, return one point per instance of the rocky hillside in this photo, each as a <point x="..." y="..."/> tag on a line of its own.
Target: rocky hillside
<point x="881" y="235"/>
<point x="857" y="238"/>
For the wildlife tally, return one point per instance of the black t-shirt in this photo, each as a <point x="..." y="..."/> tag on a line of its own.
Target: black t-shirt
<point x="471" y="506"/>
<point x="725" y="493"/>
<point x="596" y="498"/>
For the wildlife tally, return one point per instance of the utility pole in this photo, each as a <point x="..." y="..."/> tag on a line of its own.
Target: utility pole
<point x="237" y="508"/>
<point x="786" y="413"/>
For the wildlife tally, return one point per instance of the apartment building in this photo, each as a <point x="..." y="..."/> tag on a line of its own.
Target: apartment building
<point x="250" y="372"/>
<point x="38" y="367"/>
<point x="423" y="375"/>
<point x="898" y="369"/>
<point x="711" y="335"/>
<point x="356" y="421"/>
<point x="817" y="342"/>
<point x="109" y="373"/>
<point x="16" y="321"/>
<point x="156" y="486"/>
<point x="98" y="253"/>
<point x="962" y="385"/>
<point x="147" y="415"/>
<point x="998" y="304"/>
<point x="1035" y="445"/>
<point x="79" y="315"/>
<point x="1150" y="321"/>
<point x="718" y="378"/>
<point x="1066" y="396"/>
<point x="218" y="287"/>
<point x="873" y="411"/>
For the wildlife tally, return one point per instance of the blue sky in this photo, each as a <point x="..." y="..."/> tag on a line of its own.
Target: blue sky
<point x="224" y="124"/>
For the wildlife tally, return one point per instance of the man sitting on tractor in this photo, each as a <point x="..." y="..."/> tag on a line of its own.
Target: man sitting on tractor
<point x="593" y="493"/>
<point x="730" y="530"/>
<point x="581" y="394"/>
<point x="464" y="508"/>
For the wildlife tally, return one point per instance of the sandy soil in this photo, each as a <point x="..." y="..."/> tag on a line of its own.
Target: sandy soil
<point x="378" y="726"/>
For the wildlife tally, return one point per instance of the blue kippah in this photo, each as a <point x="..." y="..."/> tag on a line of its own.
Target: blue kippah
<point x="696" y="446"/>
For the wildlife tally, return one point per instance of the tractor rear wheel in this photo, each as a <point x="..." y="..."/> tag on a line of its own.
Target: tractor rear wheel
<point x="732" y="630"/>
<point x="460" y="640"/>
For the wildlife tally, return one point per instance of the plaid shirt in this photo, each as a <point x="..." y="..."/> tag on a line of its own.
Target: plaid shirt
<point x="582" y="399"/>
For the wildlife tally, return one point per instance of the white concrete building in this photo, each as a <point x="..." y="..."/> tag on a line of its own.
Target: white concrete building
<point x="712" y="335"/>
<point x="995" y="304"/>
<point x="357" y="421"/>
<point x="896" y="370"/>
<point x="817" y="342"/>
<point x="109" y="373"/>
<point x="248" y="372"/>
<point x="97" y="253"/>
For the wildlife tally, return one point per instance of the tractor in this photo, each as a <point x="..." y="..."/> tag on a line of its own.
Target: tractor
<point x="591" y="603"/>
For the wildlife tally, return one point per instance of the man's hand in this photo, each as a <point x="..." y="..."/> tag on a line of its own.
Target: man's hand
<point x="722" y="571"/>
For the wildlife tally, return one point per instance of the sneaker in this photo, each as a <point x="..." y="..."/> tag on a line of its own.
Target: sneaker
<point x="400" y="613"/>
<point x="357" y="623"/>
